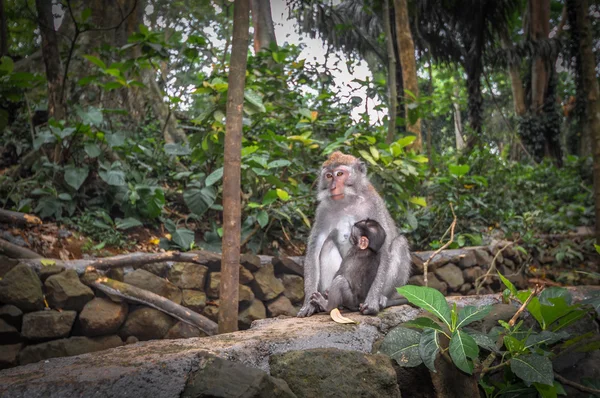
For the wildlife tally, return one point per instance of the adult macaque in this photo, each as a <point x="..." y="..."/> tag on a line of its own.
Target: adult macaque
<point x="357" y="272"/>
<point x="346" y="196"/>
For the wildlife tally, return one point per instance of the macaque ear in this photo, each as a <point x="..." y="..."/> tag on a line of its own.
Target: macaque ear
<point x="363" y="242"/>
<point x="362" y="167"/>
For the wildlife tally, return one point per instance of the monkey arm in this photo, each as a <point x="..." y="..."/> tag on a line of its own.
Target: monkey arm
<point x="312" y="270"/>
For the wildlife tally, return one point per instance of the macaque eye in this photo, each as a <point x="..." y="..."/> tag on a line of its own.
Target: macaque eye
<point x="339" y="173"/>
<point x="328" y="176"/>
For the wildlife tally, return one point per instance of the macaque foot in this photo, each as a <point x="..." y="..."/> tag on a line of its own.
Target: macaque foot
<point x="369" y="308"/>
<point x="307" y="310"/>
<point x="318" y="301"/>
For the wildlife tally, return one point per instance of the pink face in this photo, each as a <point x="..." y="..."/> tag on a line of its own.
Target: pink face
<point x="337" y="179"/>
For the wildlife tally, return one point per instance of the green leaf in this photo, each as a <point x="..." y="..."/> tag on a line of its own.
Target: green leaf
<point x="214" y="177"/>
<point x="177" y="149"/>
<point x="554" y="293"/>
<point x="127" y="223"/>
<point x="534" y="307"/>
<point x="429" y="346"/>
<point x="462" y="348"/>
<point x="75" y="176"/>
<point x="183" y="238"/>
<point x="513" y="344"/>
<point x="115" y="178"/>
<point x="199" y="200"/>
<point x="254" y="99"/>
<point x="545" y="337"/>
<point x="283" y="195"/>
<point x="6" y="65"/>
<point x="429" y="299"/>
<point x="533" y="368"/>
<point x="262" y="218"/>
<point x="96" y="61"/>
<point x="249" y="150"/>
<point x="458" y="170"/>
<point x="279" y="163"/>
<point x="406" y="141"/>
<point x="92" y="149"/>
<point x="374" y="152"/>
<point x="483" y="340"/>
<point x="549" y="391"/>
<point x="419" y="201"/>
<point x="471" y="314"/>
<point x="367" y="156"/>
<point x="270" y="197"/>
<point x="402" y="345"/>
<point x="115" y="140"/>
<point x="424" y="323"/>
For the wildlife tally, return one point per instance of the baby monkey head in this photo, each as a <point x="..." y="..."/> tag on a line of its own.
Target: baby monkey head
<point x="368" y="234"/>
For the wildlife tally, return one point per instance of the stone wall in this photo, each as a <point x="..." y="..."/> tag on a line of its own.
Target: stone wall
<point x="51" y="313"/>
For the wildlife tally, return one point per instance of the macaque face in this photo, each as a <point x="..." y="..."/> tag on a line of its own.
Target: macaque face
<point x="336" y="181"/>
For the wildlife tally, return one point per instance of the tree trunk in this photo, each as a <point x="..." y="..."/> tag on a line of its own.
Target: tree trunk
<point x="539" y="28"/>
<point x="515" y="80"/>
<point x="51" y="54"/>
<point x="578" y="11"/>
<point x="262" y="20"/>
<point x="392" y="92"/>
<point x="3" y="31"/>
<point x="228" y="311"/>
<point x="406" y="51"/>
<point x="458" y="126"/>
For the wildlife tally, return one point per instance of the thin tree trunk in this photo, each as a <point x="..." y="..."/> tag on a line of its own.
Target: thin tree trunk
<point x="51" y="54"/>
<point x="406" y="51"/>
<point x="3" y="31"/>
<point x="539" y="11"/>
<point x="229" y="291"/>
<point x="392" y="93"/>
<point x="458" y="126"/>
<point x="590" y="123"/>
<point x="515" y="80"/>
<point x="262" y="20"/>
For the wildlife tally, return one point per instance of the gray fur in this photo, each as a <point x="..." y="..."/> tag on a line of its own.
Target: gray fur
<point x="360" y="201"/>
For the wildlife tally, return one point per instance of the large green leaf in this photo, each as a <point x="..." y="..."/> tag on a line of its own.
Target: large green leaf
<point x="199" y="200"/>
<point x="471" y="314"/>
<point x="113" y="177"/>
<point x="508" y="284"/>
<point x="553" y="293"/>
<point x="459" y="170"/>
<point x="214" y="177"/>
<point x="533" y="368"/>
<point x="127" y="223"/>
<point x="75" y="176"/>
<point x="402" y="345"/>
<point x="482" y="340"/>
<point x="183" y="238"/>
<point x="424" y="323"/>
<point x="429" y="299"/>
<point x="463" y="349"/>
<point x="429" y="346"/>
<point x="545" y="337"/>
<point x="254" y="99"/>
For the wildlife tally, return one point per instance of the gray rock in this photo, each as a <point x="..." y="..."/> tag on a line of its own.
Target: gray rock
<point x="432" y="281"/>
<point x="102" y="316"/>
<point x="193" y="299"/>
<point x="6" y="264"/>
<point x="188" y="275"/>
<point x="245" y="276"/>
<point x="65" y="291"/>
<point x="256" y="310"/>
<point x="294" y="287"/>
<point x="509" y="263"/>
<point x="452" y="275"/>
<point x="182" y="330"/>
<point x="212" y="311"/>
<point x="9" y="355"/>
<point x="281" y="306"/>
<point x="333" y="372"/>
<point x="158" y="269"/>
<point x="518" y="279"/>
<point x="214" y="283"/>
<point x="265" y="285"/>
<point x="220" y="378"/>
<point x="8" y="333"/>
<point x="250" y="261"/>
<point x="22" y="288"/>
<point x="470" y="275"/>
<point x="48" y="271"/>
<point x="467" y="260"/>
<point x="117" y="274"/>
<point x="245" y="294"/>
<point x="285" y="265"/>
<point x="11" y="315"/>
<point x="67" y="347"/>
<point x="146" y="324"/>
<point x="43" y="325"/>
<point x="131" y="340"/>
<point x="155" y="284"/>
<point x="482" y="257"/>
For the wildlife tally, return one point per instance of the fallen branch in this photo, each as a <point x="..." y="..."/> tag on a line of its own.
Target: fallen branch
<point x="435" y="253"/>
<point x="540" y="281"/>
<point x="13" y="217"/>
<point x="132" y="293"/>
<point x="133" y="260"/>
<point x="18" y="252"/>
<point x="573" y="384"/>
<point x="515" y="317"/>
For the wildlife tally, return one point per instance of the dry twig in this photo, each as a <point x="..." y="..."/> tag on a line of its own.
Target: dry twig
<point x="426" y="264"/>
<point x="576" y="385"/>
<point x="492" y="267"/>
